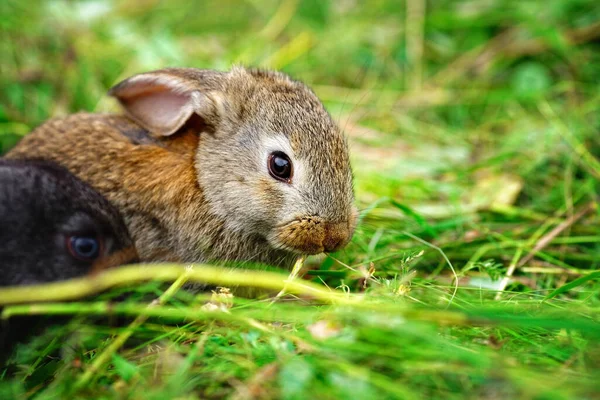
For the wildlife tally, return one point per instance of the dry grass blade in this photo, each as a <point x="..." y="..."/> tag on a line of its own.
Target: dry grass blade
<point x="293" y="275"/>
<point x="547" y="238"/>
<point x="227" y="277"/>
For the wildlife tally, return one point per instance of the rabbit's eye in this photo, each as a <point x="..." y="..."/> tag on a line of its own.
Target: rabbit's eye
<point x="280" y="166"/>
<point x="84" y="248"/>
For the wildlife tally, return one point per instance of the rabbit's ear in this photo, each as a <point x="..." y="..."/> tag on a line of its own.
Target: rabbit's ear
<point x="162" y="101"/>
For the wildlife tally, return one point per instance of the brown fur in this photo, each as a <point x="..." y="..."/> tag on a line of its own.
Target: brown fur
<point x="192" y="188"/>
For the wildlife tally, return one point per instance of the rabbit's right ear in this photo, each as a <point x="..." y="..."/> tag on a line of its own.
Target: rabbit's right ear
<point x="162" y="101"/>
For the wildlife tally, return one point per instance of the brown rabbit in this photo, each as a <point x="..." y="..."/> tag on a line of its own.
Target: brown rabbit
<point x="206" y="165"/>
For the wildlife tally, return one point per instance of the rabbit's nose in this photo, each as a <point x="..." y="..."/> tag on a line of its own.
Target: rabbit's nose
<point x="336" y="236"/>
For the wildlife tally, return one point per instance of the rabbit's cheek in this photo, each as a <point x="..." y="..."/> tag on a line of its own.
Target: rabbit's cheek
<point x="272" y="197"/>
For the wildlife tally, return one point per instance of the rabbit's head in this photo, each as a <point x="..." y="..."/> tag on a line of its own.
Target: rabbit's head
<point x="270" y="161"/>
<point x="54" y="227"/>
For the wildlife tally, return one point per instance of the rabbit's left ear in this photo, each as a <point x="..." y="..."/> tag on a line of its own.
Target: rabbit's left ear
<point x="163" y="101"/>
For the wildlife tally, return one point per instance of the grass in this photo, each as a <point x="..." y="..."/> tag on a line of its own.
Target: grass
<point x="474" y="133"/>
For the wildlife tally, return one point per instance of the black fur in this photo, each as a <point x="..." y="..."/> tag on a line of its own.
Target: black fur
<point x="41" y="204"/>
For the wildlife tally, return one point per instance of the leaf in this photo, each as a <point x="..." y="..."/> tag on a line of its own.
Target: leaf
<point x="531" y="79"/>
<point x="294" y="378"/>
<point x="351" y="387"/>
<point x="495" y="190"/>
<point x="573" y="284"/>
<point x="124" y="368"/>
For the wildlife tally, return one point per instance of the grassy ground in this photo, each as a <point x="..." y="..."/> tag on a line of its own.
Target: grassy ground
<point x="474" y="131"/>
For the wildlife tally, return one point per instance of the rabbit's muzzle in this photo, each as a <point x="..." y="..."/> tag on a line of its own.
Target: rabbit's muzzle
<point x="313" y="235"/>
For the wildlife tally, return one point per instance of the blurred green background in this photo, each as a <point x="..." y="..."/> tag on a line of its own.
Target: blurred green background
<point x="474" y="125"/>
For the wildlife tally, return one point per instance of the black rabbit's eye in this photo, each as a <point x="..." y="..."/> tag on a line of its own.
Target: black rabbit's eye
<point x="84" y="248"/>
<point x="280" y="166"/>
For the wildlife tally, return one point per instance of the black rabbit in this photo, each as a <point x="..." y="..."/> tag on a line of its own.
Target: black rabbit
<point x="53" y="227"/>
